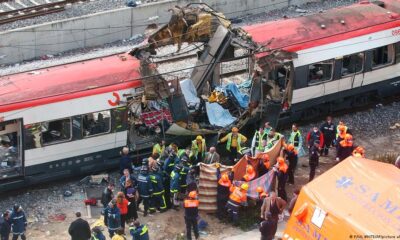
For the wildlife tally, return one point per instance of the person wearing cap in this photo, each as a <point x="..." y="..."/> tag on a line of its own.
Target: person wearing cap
<point x="271" y="208"/>
<point x="263" y="163"/>
<point x="145" y="189"/>
<point x="328" y="129"/>
<point x="112" y="217"/>
<point x="234" y="141"/>
<point x="125" y="162"/>
<point x="191" y="205"/>
<point x="159" y="147"/>
<point x="295" y="137"/>
<point x="359" y="152"/>
<point x="291" y="156"/>
<point x="345" y="148"/>
<point x="280" y="170"/>
<point x="313" y="159"/>
<point x="5" y="226"/>
<point x="18" y="222"/>
<point x="272" y="138"/>
<point x="175" y="186"/>
<point x="250" y="173"/>
<point x="97" y="234"/>
<point x="314" y="135"/>
<point x="79" y="229"/>
<point x="139" y="231"/>
<point x="198" y="149"/>
<point x="224" y="184"/>
<point x="237" y="198"/>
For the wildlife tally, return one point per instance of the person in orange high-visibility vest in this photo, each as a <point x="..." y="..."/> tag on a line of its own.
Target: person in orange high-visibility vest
<point x="237" y="198"/>
<point x="191" y="205"/>
<point x="224" y="184"/>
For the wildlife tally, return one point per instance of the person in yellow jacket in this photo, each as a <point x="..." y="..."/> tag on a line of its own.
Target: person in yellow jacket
<point x="119" y="235"/>
<point x="234" y="141"/>
<point x="198" y="150"/>
<point x="159" y="147"/>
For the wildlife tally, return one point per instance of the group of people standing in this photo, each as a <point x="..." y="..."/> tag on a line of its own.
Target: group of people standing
<point x="13" y="222"/>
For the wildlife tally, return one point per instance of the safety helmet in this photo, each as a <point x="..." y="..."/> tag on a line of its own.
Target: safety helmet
<point x="348" y="137"/>
<point x="199" y="138"/>
<point x="259" y="189"/>
<point x="290" y="147"/>
<point x="193" y="194"/>
<point x="235" y="129"/>
<point x="244" y="186"/>
<point x="263" y="195"/>
<point x="249" y="169"/>
<point x="225" y="177"/>
<point x="342" y="128"/>
<point x="280" y="160"/>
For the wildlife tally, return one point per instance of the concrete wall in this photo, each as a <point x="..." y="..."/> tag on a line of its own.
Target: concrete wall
<point x="92" y="30"/>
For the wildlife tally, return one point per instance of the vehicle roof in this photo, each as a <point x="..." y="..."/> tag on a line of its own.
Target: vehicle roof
<point x="68" y="81"/>
<point x="306" y="32"/>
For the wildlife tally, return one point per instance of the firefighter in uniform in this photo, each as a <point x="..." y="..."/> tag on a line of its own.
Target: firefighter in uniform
<point x="191" y="205"/>
<point x="157" y="198"/>
<point x="145" y="188"/>
<point x="139" y="231"/>
<point x="183" y="174"/>
<point x="237" y="198"/>
<point x="175" y="186"/>
<point x="234" y="142"/>
<point x="18" y="222"/>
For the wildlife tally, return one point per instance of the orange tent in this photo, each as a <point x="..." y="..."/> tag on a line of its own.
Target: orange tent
<point x="356" y="199"/>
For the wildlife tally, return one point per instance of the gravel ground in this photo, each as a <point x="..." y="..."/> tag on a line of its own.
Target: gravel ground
<point x="125" y="45"/>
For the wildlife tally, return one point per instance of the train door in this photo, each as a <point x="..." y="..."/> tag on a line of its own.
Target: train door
<point x="11" y="149"/>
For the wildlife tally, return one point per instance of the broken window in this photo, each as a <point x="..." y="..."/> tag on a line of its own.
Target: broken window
<point x="56" y="131"/>
<point x="352" y="64"/>
<point x="382" y="56"/>
<point x="96" y="123"/>
<point x="320" y="72"/>
<point x="10" y="149"/>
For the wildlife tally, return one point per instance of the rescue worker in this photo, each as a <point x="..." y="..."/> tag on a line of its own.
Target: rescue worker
<point x="119" y="234"/>
<point x="272" y="138"/>
<point x="79" y="229"/>
<point x="267" y="129"/>
<point x="18" y="222"/>
<point x="291" y="155"/>
<point x="345" y="148"/>
<point x="328" y="129"/>
<point x="159" y="148"/>
<point x="256" y="143"/>
<point x="191" y="205"/>
<point x="234" y="141"/>
<point x="97" y="234"/>
<point x="175" y="186"/>
<point x="224" y="184"/>
<point x="183" y="174"/>
<point x="157" y="199"/>
<point x="270" y="210"/>
<point x="198" y="149"/>
<point x="313" y="160"/>
<point x="263" y="163"/>
<point x="125" y="161"/>
<point x="237" y="198"/>
<point x="112" y="217"/>
<point x="5" y="226"/>
<point x="295" y="137"/>
<point x="139" y="231"/>
<point x="168" y="167"/>
<point x="145" y="189"/>
<point x="107" y="194"/>
<point x="250" y="173"/>
<point x="260" y="192"/>
<point x="359" y="152"/>
<point x="281" y="173"/>
<point x="314" y="135"/>
<point x="343" y="126"/>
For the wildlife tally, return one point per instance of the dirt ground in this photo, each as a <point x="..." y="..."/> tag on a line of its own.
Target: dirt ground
<point x="47" y="210"/>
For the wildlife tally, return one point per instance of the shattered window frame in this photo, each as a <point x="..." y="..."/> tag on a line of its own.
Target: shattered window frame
<point x="44" y="144"/>
<point x="83" y="128"/>
<point x="390" y="56"/>
<point x="319" y="81"/>
<point x="343" y="74"/>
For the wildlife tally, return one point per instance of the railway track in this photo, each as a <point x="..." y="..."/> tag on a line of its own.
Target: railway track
<point x="11" y="11"/>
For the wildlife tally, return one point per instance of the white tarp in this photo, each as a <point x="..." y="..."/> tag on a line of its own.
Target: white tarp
<point x="218" y="116"/>
<point x="189" y="92"/>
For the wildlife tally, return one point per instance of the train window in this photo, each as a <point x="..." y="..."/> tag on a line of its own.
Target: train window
<point x="382" y="56"/>
<point x="11" y="164"/>
<point x="55" y="131"/>
<point x="352" y="64"/>
<point x="96" y="123"/>
<point x="32" y="136"/>
<point x="320" y="72"/>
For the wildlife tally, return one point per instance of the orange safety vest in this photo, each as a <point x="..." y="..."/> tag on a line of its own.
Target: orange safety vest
<point x="223" y="183"/>
<point x="189" y="203"/>
<point x="238" y="196"/>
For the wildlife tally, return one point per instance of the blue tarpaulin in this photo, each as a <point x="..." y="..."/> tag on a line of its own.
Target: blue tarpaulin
<point x="218" y="116"/>
<point x="242" y="99"/>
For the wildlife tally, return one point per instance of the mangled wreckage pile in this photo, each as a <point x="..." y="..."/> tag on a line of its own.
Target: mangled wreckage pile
<point x="202" y="76"/>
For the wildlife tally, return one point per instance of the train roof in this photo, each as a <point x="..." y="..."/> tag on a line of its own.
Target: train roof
<point x="68" y="81"/>
<point x="340" y="24"/>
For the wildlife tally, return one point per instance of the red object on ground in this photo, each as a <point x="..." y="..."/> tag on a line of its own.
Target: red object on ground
<point x="91" y="202"/>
